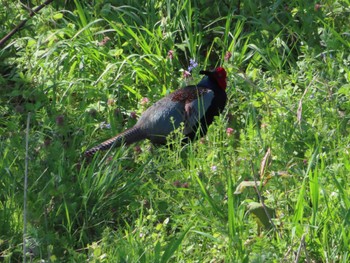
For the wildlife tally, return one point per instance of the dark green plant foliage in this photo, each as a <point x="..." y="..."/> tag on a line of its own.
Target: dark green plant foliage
<point x="78" y="65"/>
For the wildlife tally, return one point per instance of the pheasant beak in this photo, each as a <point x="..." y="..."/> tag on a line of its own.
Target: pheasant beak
<point x="218" y="74"/>
<point x="206" y="72"/>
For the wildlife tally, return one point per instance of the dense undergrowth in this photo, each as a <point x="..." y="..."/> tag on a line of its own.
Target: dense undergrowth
<point x="85" y="70"/>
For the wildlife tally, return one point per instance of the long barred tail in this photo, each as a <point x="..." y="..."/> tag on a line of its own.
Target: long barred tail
<point x="127" y="137"/>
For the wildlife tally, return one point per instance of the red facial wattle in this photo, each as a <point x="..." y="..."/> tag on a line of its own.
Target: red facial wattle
<point x="220" y="76"/>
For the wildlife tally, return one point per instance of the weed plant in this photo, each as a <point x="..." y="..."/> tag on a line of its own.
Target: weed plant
<point x="268" y="183"/>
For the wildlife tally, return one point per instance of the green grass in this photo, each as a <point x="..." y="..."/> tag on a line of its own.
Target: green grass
<point x="78" y="66"/>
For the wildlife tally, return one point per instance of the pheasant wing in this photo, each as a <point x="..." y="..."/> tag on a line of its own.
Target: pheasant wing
<point x="195" y="102"/>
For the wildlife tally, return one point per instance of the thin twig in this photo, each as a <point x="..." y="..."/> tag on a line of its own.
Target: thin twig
<point x="262" y="201"/>
<point x="302" y="244"/>
<point x="25" y="192"/>
<point x="300" y="105"/>
<point x="264" y="163"/>
<point x="23" y="22"/>
<point x="30" y="10"/>
<point x="239" y="7"/>
<point x="285" y="255"/>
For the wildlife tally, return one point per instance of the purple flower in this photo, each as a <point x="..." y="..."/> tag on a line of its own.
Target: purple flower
<point x="60" y="120"/>
<point x="185" y="185"/>
<point x="133" y="115"/>
<point x="186" y="74"/>
<point x="104" y="125"/>
<point x="177" y="184"/>
<point x="144" y="101"/>
<point x="110" y="102"/>
<point x="104" y="41"/>
<point x="229" y="131"/>
<point x="214" y="168"/>
<point x="170" y="54"/>
<point x="137" y="149"/>
<point x="228" y="55"/>
<point x="317" y="7"/>
<point x="192" y="65"/>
